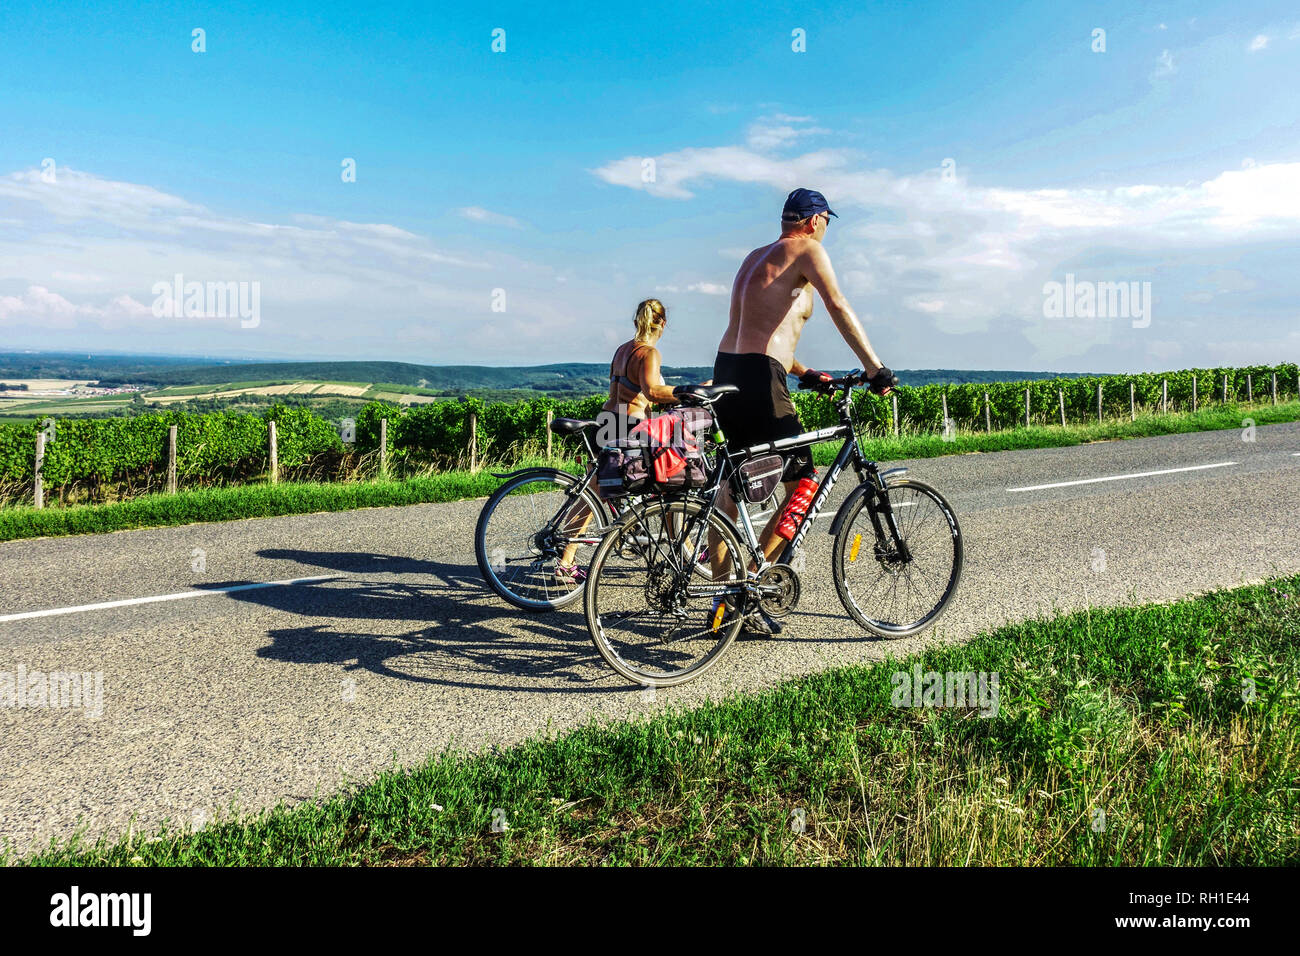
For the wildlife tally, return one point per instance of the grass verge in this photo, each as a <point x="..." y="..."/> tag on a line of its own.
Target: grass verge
<point x="1157" y="735"/>
<point x="243" y="501"/>
<point x="259" y="501"/>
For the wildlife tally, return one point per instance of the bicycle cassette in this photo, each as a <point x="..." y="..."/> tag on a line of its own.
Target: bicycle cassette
<point x="778" y="590"/>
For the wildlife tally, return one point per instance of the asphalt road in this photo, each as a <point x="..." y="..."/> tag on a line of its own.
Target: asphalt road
<point x="249" y="697"/>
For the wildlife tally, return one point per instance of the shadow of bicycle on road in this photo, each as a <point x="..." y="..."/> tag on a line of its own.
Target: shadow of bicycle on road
<point x="465" y="636"/>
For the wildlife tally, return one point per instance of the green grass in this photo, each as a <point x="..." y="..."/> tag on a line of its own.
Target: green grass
<point x="1138" y="713"/>
<point x="254" y="501"/>
<point x="242" y="501"/>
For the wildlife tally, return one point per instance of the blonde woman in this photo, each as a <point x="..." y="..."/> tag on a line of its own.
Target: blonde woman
<point x="636" y="382"/>
<point x="635" y="374"/>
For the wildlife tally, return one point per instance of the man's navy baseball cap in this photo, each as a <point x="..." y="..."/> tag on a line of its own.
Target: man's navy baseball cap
<point x="802" y="203"/>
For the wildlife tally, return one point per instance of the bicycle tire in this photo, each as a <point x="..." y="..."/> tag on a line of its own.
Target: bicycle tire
<point x="844" y="548"/>
<point x="603" y="578"/>
<point x="528" y="599"/>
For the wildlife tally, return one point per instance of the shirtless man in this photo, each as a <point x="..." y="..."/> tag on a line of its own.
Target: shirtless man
<point x="771" y="299"/>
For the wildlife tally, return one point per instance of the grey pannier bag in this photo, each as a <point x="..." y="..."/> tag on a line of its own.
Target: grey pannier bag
<point x="623" y="469"/>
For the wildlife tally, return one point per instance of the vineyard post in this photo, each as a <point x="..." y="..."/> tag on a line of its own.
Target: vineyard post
<point x="1060" y="397"/>
<point x="988" y="420"/>
<point x="1132" y="402"/>
<point x="1026" y="408"/>
<point x="171" y="460"/>
<point x="895" y="416"/>
<point x="1099" y="403"/>
<point x="1274" y="389"/>
<point x="550" y="417"/>
<point x="383" y="448"/>
<point x="1225" y="389"/>
<point x="275" y="456"/>
<point x="945" y="411"/>
<point x="40" y="464"/>
<point x="1250" y="393"/>
<point x="1193" y="391"/>
<point x="1164" y="396"/>
<point x="473" y="441"/>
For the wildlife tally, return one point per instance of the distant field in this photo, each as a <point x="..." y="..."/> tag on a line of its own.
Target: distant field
<point x="401" y="378"/>
<point x="43" y="384"/>
<point x="47" y="405"/>
<point x="180" y="393"/>
<point x="24" y="406"/>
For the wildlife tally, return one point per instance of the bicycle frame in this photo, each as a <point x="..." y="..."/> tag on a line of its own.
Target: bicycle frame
<point x="613" y="509"/>
<point x="849" y="454"/>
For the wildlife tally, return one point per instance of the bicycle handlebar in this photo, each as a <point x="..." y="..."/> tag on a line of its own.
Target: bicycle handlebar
<point x="854" y="378"/>
<point x="835" y="384"/>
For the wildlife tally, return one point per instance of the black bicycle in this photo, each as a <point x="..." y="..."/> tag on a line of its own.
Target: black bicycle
<point x="537" y="532"/>
<point x="658" y="621"/>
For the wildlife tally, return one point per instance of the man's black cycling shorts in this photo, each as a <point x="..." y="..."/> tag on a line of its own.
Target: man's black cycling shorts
<point x="762" y="410"/>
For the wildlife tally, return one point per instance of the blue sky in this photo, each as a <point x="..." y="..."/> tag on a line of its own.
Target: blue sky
<point x="1173" y="157"/>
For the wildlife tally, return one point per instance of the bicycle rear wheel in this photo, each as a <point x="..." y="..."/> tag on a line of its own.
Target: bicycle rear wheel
<point x="523" y="532"/>
<point x="649" y="606"/>
<point x="897" y="584"/>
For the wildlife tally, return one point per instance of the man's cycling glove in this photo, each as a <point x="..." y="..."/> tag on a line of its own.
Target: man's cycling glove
<point x="882" y="380"/>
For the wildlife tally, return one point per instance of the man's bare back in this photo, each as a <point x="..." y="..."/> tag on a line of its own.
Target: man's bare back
<point x="772" y="296"/>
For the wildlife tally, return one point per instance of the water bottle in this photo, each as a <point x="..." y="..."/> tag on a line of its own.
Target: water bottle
<point x="797" y="508"/>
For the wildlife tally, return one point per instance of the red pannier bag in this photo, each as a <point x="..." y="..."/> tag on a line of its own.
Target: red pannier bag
<point x="664" y="453"/>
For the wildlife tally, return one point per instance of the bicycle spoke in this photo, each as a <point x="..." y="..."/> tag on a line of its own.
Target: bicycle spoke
<point x="896" y="594"/>
<point x="515" y="525"/>
<point x="645" y="605"/>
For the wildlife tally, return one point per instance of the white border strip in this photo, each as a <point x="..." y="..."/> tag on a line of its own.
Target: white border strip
<point x="180" y="596"/>
<point x="1139" y="474"/>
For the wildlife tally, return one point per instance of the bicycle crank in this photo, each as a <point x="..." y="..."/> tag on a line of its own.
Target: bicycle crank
<point x="778" y="590"/>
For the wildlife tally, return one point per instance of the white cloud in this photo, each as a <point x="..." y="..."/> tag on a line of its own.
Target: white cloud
<point x="780" y="129"/>
<point x="83" y="253"/>
<point x="926" y="304"/>
<point x="1259" y="43"/>
<point x="965" y="258"/>
<point x="733" y="163"/>
<point x="709" y="288"/>
<point x="479" y="214"/>
<point x="51" y="310"/>
<point x="1164" y="64"/>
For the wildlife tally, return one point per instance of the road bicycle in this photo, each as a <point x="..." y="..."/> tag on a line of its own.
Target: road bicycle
<point x="896" y="558"/>
<point x="542" y="518"/>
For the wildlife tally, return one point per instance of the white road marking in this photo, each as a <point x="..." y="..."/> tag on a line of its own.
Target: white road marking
<point x="1139" y="474"/>
<point x="182" y="595"/>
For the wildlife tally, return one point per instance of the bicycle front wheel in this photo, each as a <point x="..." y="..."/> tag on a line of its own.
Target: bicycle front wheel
<point x="895" y="576"/>
<point x="532" y="525"/>
<point x="650" y="603"/>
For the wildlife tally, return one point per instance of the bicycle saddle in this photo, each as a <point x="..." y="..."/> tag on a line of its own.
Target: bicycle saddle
<point x="704" y="393"/>
<point x="568" y="426"/>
